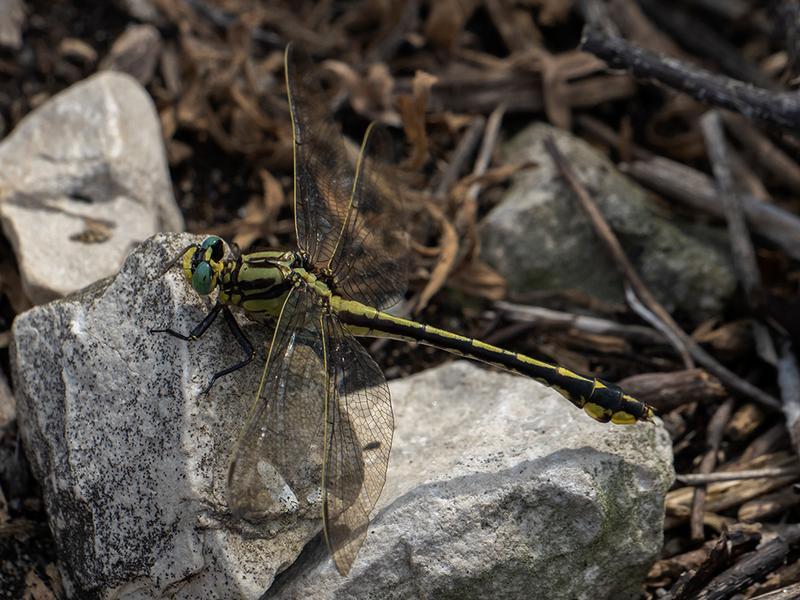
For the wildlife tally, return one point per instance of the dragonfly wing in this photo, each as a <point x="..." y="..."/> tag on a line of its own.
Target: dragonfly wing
<point x="370" y="262"/>
<point x="323" y="177"/>
<point x="347" y="220"/>
<point x="358" y="438"/>
<point x="276" y="466"/>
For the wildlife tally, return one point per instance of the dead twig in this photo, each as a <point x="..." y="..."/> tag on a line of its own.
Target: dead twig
<point x="596" y="128"/>
<point x="724" y="495"/>
<point x="467" y="216"/>
<point x="753" y="567"/>
<point x="770" y="505"/>
<point x="790" y="591"/>
<point x="787" y="18"/>
<point x="648" y="315"/>
<point x="716" y="427"/>
<point x="771" y="440"/>
<point x="706" y="478"/>
<point x="742" y="251"/>
<point x="789" y="383"/>
<point x="478" y="91"/>
<point x="781" y="109"/>
<point x="488" y="144"/>
<point x="466" y="145"/>
<point x="564" y="320"/>
<point x="596" y="12"/>
<point x="724" y="553"/>
<point x="702" y="40"/>
<point x="763" y="150"/>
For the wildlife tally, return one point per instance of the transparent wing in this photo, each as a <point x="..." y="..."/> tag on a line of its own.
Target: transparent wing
<point x="346" y="220"/>
<point x="358" y="439"/>
<point x="276" y="466"/>
<point x="323" y="177"/>
<point x="370" y="263"/>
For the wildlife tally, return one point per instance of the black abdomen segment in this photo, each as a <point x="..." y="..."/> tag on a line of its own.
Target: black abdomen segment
<point x="602" y="401"/>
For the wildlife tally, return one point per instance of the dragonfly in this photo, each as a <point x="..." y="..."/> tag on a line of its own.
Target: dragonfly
<point x="321" y="424"/>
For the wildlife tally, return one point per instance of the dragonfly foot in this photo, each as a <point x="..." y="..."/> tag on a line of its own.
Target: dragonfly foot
<point x="206" y="390"/>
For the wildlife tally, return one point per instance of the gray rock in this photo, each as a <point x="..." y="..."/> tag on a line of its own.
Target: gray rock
<point x="539" y="238"/>
<point x="84" y="179"/>
<point x="496" y="485"/>
<point x="498" y="488"/>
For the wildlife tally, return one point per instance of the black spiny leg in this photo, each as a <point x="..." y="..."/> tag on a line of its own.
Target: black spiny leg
<point x="244" y="343"/>
<point x="198" y="330"/>
<point x="203" y="326"/>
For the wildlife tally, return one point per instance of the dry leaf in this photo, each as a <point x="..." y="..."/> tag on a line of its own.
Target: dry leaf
<point x="412" y="111"/>
<point x="728" y="340"/>
<point x="370" y="95"/>
<point x="77" y="50"/>
<point x="446" y="21"/>
<point x="493" y="176"/>
<point x="448" y="250"/>
<point x="260" y="213"/>
<point x="477" y="278"/>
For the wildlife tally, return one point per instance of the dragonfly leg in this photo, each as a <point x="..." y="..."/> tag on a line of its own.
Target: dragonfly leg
<point x="198" y="330"/>
<point x="244" y="343"/>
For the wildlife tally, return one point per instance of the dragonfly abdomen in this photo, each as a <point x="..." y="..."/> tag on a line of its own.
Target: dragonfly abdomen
<point x="602" y="401"/>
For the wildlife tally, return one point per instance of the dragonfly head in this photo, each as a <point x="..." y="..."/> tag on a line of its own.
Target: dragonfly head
<point x="202" y="263"/>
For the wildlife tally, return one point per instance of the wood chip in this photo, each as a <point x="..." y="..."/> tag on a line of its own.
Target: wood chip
<point x="744" y="422"/>
<point x="667" y="391"/>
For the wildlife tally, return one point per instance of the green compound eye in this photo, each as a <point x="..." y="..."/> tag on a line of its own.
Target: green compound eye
<point x="201" y="278"/>
<point x="216" y="245"/>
